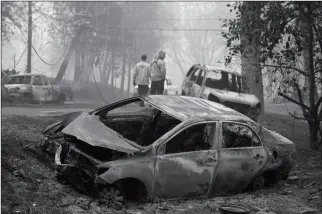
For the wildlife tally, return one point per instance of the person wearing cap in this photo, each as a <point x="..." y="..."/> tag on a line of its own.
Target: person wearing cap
<point x="158" y="74"/>
<point x="141" y="77"/>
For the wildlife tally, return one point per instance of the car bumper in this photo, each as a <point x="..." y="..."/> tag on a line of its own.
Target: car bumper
<point x="81" y="179"/>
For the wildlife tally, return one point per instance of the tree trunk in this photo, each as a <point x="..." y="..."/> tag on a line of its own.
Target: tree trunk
<point x="250" y="58"/>
<point x="112" y="77"/>
<point x="29" y="37"/>
<point x="111" y="67"/>
<point x="122" y="91"/>
<point x="129" y="76"/>
<point x="77" y="72"/>
<point x="314" y="131"/>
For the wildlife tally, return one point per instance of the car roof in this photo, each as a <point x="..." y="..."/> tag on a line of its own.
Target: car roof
<point x="224" y="69"/>
<point x="19" y="75"/>
<point x="186" y="107"/>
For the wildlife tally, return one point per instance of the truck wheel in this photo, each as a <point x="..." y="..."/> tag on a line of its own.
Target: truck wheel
<point x="61" y="99"/>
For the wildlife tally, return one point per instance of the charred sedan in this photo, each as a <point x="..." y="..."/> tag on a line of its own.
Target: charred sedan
<point x="179" y="147"/>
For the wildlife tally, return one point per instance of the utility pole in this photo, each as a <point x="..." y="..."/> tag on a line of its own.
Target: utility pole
<point x="14" y="61"/>
<point x="77" y="71"/>
<point x="29" y="36"/>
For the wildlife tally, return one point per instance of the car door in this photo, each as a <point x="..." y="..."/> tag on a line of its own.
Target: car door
<point x="186" y="162"/>
<point x="197" y="86"/>
<point x="191" y="85"/>
<point x="48" y="89"/>
<point x="189" y="81"/>
<point x="241" y="157"/>
<point x="38" y="88"/>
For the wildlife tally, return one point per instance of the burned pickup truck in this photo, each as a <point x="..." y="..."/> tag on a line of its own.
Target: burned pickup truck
<point x="176" y="147"/>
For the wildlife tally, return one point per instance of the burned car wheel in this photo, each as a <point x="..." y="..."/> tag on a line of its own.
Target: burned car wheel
<point x="111" y="193"/>
<point x="258" y="183"/>
<point x="27" y="98"/>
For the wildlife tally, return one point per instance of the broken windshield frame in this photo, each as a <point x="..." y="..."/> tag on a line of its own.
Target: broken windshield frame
<point x="103" y="112"/>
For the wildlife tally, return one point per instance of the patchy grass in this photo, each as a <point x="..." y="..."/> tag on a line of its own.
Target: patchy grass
<point x="29" y="185"/>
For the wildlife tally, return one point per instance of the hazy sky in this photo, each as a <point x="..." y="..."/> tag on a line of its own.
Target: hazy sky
<point x="202" y="15"/>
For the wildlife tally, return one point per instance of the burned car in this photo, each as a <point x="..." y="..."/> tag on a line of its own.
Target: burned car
<point x="221" y="85"/>
<point x="30" y="88"/>
<point x="176" y="147"/>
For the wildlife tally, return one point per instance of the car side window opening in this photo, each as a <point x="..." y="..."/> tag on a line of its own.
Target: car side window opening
<point x="200" y="77"/>
<point x="195" y="74"/>
<point x="194" y="138"/>
<point x="19" y="80"/>
<point x="223" y="80"/>
<point x="45" y="80"/>
<point x="38" y="80"/>
<point x="190" y="71"/>
<point x="168" y="81"/>
<point x="143" y="126"/>
<point x="236" y="135"/>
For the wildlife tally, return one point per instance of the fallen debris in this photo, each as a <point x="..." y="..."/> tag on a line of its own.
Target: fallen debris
<point x="20" y="173"/>
<point x="309" y="211"/>
<point x="292" y="180"/>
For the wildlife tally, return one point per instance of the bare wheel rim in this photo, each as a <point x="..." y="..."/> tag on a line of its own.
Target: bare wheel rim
<point x="26" y="99"/>
<point x="111" y="193"/>
<point x="259" y="183"/>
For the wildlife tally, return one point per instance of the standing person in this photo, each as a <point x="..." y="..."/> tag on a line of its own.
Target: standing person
<point x="141" y="77"/>
<point x="158" y="73"/>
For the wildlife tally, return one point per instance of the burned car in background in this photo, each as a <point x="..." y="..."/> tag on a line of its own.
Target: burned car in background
<point x="29" y="88"/>
<point x="177" y="147"/>
<point x="221" y="85"/>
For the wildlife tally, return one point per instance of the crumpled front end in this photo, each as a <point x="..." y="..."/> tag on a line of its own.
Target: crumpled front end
<point x="85" y="143"/>
<point x="77" y="163"/>
<point x="18" y="92"/>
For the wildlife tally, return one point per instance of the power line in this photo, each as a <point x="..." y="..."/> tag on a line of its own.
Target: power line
<point x="21" y="56"/>
<point x="169" y="29"/>
<point x="47" y="62"/>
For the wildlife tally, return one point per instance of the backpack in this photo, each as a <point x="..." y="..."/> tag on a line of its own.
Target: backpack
<point x="156" y="62"/>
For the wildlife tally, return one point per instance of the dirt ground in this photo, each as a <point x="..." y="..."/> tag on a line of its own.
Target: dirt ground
<point x="28" y="184"/>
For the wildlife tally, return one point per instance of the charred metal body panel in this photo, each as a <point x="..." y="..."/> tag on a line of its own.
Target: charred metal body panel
<point x="92" y="154"/>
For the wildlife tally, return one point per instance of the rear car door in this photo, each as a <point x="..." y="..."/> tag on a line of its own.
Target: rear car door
<point x="38" y="88"/>
<point x="242" y="156"/>
<point x="197" y="86"/>
<point x="192" y="84"/>
<point x="186" y="162"/>
<point x="189" y="81"/>
<point x="48" y="90"/>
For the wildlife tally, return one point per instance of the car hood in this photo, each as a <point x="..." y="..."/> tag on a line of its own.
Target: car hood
<point x="10" y="86"/>
<point x="243" y="98"/>
<point x="91" y="130"/>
